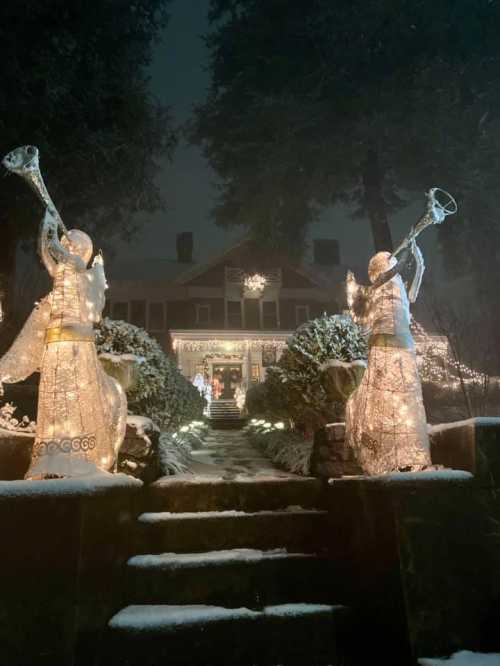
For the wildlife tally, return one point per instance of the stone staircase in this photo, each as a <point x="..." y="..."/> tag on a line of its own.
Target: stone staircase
<point x="225" y="414"/>
<point x="244" y="581"/>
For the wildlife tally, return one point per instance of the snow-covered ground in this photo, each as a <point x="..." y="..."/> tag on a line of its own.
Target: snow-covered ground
<point x="464" y="658"/>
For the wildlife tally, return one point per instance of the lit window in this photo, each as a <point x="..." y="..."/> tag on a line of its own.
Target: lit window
<point x="255" y="373"/>
<point x="301" y="314"/>
<point x="156" y="317"/>
<point x="202" y="314"/>
<point x="234" y="314"/>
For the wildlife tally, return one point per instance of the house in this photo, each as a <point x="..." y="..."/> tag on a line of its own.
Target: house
<point x="228" y="319"/>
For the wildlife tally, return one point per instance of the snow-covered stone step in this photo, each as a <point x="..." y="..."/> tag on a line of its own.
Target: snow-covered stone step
<point x="244" y="493"/>
<point x="236" y="577"/>
<point x="150" y="635"/>
<point x="294" y="528"/>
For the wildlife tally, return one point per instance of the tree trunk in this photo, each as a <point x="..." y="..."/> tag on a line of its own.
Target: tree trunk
<point x="375" y="203"/>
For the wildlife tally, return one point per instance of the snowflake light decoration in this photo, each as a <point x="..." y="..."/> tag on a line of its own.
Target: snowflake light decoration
<point x="255" y="282"/>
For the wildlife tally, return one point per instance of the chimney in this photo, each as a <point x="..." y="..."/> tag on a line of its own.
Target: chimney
<point x="326" y="252"/>
<point x="185" y="247"/>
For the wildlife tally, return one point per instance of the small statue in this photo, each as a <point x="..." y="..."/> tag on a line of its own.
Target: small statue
<point x="82" y="412"/>
<point x="386" y="426"/>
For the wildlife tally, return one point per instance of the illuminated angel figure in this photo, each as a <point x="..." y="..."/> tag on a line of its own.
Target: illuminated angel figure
<point x="82" y="411"/>
<point x="386" y="424"/>
<point x="385" y="417"/>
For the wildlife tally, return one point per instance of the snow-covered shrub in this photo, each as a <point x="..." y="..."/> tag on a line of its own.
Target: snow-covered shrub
<point x="173" y="453"/>
<point x="175" y="447"/>
<point x="257" y="399"/>
<point x="295" y="385"/>
<point x="160" y="391"/>
<point x="284" y="447"/>
<point x="193" y="434"/>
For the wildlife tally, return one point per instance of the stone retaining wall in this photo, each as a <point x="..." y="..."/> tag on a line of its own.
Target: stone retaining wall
<point x="419" y="554"/>
<point x="62" y="544"/>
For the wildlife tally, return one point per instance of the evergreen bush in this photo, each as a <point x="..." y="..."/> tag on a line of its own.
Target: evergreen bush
<point x="294" y="386"/>
<point x="160" y="392"/>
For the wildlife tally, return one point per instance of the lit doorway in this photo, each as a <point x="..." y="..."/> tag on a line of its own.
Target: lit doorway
<point x="226" y="377"/>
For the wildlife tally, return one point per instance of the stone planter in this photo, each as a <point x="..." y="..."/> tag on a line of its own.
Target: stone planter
<point x="340" y="379"/>
<point x="123" y="367"/>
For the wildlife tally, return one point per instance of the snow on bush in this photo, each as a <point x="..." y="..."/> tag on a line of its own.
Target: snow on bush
<point x="294" y="386"/>
<point x="160" y="392"/>
<point x="175" y="447"/>
<point x="284" y="447"/>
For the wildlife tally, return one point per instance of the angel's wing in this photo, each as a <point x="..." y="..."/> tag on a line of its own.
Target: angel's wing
<point x="25" y="355"/>
<point x="358" y="299"/>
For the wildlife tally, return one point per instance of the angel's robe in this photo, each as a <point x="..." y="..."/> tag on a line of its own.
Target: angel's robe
<point x="81" y="416"/>
<point x="386" y="425"/>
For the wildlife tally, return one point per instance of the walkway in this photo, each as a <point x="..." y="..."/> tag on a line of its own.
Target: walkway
<point x="228" y="455"/>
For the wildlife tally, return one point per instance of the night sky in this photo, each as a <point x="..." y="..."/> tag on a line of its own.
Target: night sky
<point x="179" y="79"/>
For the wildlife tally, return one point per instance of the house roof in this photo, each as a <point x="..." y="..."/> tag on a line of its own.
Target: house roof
<point x="196" y="270"/>
<point x="173" y="272"/>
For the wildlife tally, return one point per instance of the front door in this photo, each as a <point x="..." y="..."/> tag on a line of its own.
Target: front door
<point x="226" y="377"/>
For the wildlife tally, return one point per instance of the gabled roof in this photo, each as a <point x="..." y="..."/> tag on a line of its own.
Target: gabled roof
<point x="198" y="269"/>
<point x="272" y="259"/>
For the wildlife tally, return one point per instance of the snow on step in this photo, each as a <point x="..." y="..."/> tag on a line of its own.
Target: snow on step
<point x="149" y="617"/>
<point x="167" y="516"/>
<point x="284" y="479"/>
<point x="164" y="618"/>
<point x="464" y="658"/>
<point x="212" y="558"/>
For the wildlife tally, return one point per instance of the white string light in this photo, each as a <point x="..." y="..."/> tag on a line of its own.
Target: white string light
<point x="255" y="282"/>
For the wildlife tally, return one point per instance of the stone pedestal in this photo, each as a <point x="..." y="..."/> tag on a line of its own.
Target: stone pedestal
<point x="472" y="445"/>
<point x="138" y="455"/>
<point x="330" y="457"/>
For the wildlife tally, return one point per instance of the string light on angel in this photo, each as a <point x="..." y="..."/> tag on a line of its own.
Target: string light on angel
<point x="386" y="426"/>
<point x="81" y="417"/>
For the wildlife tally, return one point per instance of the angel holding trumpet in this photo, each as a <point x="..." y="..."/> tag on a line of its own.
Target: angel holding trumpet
<point x="81" y="416"/>
<point x="386" y="425"/>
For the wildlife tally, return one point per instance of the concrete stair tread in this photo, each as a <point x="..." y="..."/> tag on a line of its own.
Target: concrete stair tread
<point x="163" y="618"/>
<point x="232" y="577"/>
<point x="177" y="480"/>
<point x="294" y="528"/>
<point x="213" y="488"/>
<point x="214" y="558"/>
<point x="168" y="516"/>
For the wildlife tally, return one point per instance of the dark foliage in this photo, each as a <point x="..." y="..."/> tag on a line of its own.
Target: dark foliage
<point x="73" y="83"/>
<point x="314" y="101"/>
